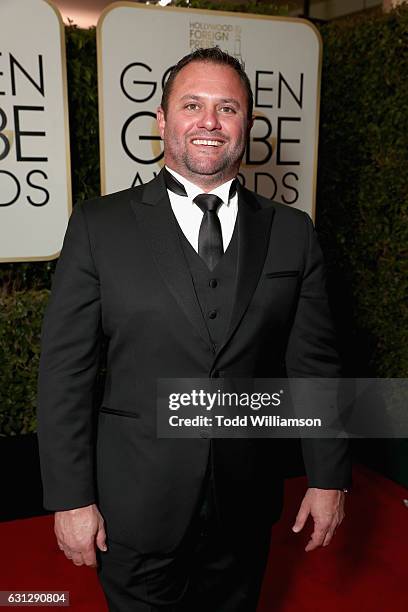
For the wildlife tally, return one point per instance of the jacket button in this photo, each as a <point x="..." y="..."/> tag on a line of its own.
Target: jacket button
<point x="212" y="314"/>
<point x="213" y="283"/>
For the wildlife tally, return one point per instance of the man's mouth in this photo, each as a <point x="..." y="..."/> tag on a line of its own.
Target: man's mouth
<point x="207" y="143"/>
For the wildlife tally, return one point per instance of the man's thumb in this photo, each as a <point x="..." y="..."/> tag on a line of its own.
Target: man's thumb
<point x="300" y="521"/>
<point x="101" y="539"/>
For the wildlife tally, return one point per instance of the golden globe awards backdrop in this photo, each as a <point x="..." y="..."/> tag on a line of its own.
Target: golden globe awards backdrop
<point x="138" y="45"/>
<point x="35" y="183"/>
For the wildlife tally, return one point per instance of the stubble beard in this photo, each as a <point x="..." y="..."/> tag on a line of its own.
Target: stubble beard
<point x="219" y="170"/>
<point x="216" y="168"/>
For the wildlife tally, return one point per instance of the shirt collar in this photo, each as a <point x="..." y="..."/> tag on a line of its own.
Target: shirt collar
<point x="222" y="191"/>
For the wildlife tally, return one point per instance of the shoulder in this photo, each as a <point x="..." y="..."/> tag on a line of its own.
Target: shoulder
<point x="112" y="201"/>
<point x="282" y="212"/>
<point x="109" y="209"/>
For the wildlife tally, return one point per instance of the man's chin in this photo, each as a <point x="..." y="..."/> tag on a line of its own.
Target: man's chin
<point x="205" y="168"/>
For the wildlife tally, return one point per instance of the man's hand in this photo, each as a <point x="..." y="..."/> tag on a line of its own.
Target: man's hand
<point x="327" y="509"/>
<point x="77" y="532"/>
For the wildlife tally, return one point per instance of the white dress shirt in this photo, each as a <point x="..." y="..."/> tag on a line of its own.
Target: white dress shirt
<point x="189" y="215"/>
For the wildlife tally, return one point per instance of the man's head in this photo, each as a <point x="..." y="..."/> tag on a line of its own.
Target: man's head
<point x="213" y="55"/>
<point x="205" y="117"/>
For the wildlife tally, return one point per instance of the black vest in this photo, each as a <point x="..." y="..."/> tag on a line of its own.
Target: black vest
<point x="215" y="289"/>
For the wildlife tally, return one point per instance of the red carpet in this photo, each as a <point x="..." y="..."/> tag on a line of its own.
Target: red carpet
<point x="365" y="568"/>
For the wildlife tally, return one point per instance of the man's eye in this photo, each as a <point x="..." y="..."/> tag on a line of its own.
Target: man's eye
<point x="191" y="106"/>
<point x="227" y="109"/>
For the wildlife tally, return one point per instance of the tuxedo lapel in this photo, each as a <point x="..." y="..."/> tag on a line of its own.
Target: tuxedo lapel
<point x="254" y="227"/>
<point x="156" y="220"/>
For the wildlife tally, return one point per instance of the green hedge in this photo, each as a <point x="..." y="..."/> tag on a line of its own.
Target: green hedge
<point x="361" y="204"/>
<point x="21" y="314"/>
<point x="253" y="6"/>
<point x="362" y="187"/>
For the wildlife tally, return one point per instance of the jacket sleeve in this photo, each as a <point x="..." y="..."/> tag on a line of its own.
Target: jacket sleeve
<point x="70" y="347"/>
<point x="311" y="352"/>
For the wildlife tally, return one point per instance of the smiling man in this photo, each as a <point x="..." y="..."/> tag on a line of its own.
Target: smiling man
<point x="204" y="120"/>
<point x="188" y="276"/>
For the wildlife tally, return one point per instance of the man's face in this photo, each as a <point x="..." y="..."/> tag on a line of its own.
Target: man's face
<point x="206" y="125"/>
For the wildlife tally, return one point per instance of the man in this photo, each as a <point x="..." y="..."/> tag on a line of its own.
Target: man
<point x="188" y="276"/>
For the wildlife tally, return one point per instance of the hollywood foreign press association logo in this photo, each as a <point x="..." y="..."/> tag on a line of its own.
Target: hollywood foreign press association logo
<point x="226" y="36"/>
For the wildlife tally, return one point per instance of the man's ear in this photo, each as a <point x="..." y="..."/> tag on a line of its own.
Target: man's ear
<point x="161" y="121"/>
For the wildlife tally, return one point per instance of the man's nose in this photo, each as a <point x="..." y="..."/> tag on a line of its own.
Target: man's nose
<point x="209" y="119"/>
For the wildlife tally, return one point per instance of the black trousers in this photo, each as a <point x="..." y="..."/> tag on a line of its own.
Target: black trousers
<point x="204" y="574"/>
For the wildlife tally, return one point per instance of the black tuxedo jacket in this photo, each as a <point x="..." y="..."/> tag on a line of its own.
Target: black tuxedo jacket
<point x="122" y="275"/>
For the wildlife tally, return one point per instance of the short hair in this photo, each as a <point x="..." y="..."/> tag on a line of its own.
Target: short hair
<point x="213" y="55"/>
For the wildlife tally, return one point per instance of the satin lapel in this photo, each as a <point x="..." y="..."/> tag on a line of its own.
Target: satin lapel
<point x="157" y="223"/>
<point x="254" y="228"/>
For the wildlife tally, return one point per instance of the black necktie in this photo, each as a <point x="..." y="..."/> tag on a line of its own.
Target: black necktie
<point x="210" y="246"/>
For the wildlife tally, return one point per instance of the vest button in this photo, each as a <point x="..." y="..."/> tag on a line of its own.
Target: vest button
<point x="213" y="283"/>
<point x="212" y="314"/>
